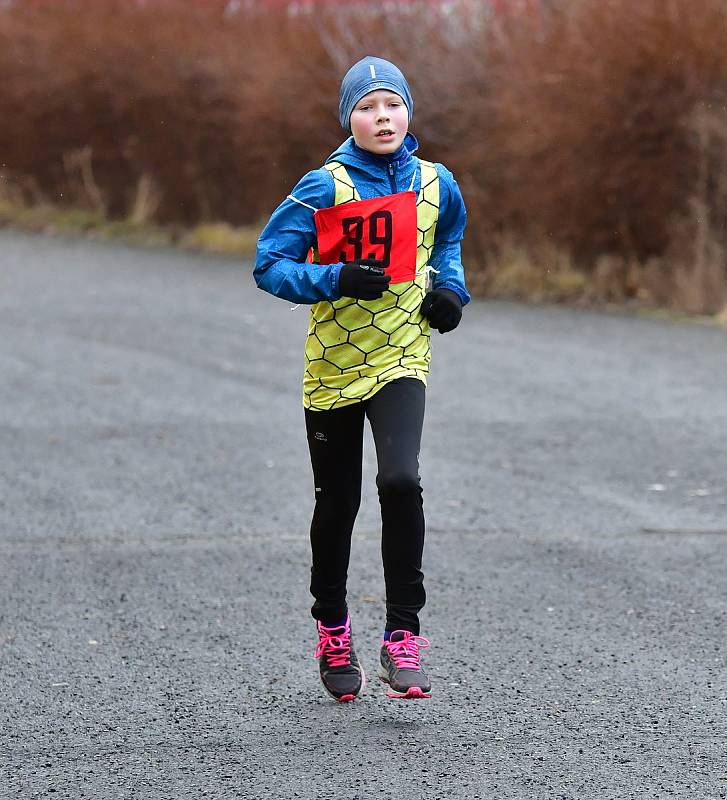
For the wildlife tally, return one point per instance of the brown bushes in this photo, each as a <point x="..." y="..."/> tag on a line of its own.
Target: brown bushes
<point x="605" y="114"/>
<point x="591" y="133"/>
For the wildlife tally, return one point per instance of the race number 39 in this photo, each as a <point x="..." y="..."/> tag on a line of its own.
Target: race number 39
<point x="383" y="228"/>
<point x="380" y="231"/>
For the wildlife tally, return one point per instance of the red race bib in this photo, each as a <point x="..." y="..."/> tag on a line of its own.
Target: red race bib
<point x="384" y="228"/>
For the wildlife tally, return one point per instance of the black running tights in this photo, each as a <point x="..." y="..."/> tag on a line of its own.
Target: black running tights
<point x="335" y="439"/>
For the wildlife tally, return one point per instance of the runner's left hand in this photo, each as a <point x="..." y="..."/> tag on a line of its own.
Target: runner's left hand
<point x="443" y="309"/>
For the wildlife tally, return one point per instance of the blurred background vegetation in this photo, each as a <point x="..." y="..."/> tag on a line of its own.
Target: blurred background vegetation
<point x="589" y="137"/>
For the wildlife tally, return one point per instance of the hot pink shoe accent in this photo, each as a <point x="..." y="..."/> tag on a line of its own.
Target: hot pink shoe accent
<point x="404" y="651"/>
<point x="340" y="672"/>
<point x="400" y="668"/>
<point x="414" y="693"/>
<point x="335" y="646"/>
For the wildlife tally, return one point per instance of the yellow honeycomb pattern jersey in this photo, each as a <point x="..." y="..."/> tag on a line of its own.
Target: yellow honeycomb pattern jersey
<point x="354" y="347"/>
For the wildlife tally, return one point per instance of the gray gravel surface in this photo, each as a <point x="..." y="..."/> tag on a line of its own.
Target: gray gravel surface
<point x="155" y="495"/>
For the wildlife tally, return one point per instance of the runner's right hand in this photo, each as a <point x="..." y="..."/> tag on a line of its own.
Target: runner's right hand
<point x="364" y="279"/>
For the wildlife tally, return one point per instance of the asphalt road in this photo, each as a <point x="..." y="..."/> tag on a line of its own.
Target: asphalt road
<point x="155" y="494"/>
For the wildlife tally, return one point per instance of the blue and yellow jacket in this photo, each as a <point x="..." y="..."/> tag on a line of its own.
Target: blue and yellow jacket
<point x="280" y="265"/>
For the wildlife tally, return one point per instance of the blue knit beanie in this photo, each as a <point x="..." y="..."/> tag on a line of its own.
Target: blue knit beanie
<point x="365" y="76"/>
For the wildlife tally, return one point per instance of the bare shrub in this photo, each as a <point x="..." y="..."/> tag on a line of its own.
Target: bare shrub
<point x="698" y="243"/>
<point x="78" y="166"/>
<point x="591" y="129"/>
<point x="146" y="201"/>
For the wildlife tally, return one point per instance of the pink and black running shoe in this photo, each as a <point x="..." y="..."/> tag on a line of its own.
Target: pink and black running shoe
<point x="341" y="674"/>
<point x="400" y="666"/>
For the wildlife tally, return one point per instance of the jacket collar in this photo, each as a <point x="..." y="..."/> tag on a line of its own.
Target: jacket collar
<point x="350" y="154"/>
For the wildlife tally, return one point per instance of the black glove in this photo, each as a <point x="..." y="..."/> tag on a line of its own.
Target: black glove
<point x="364" y="279"/>
<point x="443" y="309"/>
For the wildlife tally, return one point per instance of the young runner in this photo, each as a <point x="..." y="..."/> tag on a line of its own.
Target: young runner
<point x="381" y="226"/>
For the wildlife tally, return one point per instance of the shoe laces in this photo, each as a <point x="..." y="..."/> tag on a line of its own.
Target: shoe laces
<point x="335" y="644"/>
<point x="404" y="651"/>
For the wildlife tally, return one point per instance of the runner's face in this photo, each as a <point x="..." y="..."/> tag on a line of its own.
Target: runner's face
<point x="380" y="121"/>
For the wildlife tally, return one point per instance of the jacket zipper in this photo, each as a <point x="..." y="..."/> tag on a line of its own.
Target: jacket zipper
<point x="392" y="181"/>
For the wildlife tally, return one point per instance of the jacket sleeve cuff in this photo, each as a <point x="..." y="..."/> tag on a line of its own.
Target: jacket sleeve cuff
<point x="462" y="294"/>
<point x="335" y="275"/>
<point x="452" y="292"/>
